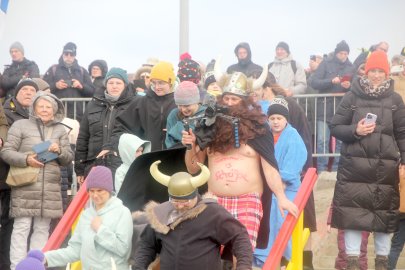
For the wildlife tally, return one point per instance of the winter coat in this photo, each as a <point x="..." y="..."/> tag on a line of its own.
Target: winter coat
<point x="146" y="118"/>
<point x="43" y="198"/>
<point x="321" y="80"/>
<point x="61" y="72"/>
<point x="127" y="147"/>
<point x="13" y="74"/>
<point x="175" y="126"/>
<point x="3" y="136"/>
<point x="95" y="249"/>
<point x="367" y="176"/>
<point x="246" y="65"/>
<point x="291" y="155"/>
<point x="96" y="128"/>
<point x="194" y="240"/>
<point x="285" y="76"/>
<point x="13" y="111"/>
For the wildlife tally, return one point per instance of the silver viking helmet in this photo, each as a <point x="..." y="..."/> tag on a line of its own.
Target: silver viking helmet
<point x="181" y="185"/>
<point x="238" y="84"/>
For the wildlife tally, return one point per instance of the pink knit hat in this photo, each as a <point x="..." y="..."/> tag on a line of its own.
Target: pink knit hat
<point x="100" y="177"/>
<point x="186" y="94"/>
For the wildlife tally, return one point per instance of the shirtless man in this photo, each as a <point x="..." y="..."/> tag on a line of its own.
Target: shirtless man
<point x="236" y="177"/>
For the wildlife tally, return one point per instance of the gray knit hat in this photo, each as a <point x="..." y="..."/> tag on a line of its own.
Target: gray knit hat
<point x="17" y="45"/>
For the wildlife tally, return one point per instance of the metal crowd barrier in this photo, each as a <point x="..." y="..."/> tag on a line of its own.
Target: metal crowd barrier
<point x="309" y="103"/>
<point x="75" y="102"/>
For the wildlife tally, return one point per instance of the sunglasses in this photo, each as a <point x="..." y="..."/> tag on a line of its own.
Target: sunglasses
<point x="69" y="54"/>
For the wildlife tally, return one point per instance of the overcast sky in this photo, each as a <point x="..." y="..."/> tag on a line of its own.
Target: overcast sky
<point x="126" y="32"/>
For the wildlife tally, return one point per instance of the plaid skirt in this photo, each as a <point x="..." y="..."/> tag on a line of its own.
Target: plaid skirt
<point x="246" y="208"/>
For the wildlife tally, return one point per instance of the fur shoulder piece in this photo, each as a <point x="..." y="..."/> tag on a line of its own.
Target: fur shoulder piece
<point x="158" y="222"/>
<point x="153" y="219"/>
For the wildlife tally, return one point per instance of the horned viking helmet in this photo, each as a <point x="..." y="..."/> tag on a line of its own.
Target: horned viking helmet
<point x="181" y="185"/>
<point x="238" y="84"/>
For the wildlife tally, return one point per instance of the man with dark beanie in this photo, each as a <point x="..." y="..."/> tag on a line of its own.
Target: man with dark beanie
<point x="69" y="80"/>
<point x="245" y="64"/>
<point x="20" y="68"/>
<point x="333" y="75"/>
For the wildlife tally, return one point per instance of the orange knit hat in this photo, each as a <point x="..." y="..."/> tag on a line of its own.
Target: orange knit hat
<point x="379" y="60"/>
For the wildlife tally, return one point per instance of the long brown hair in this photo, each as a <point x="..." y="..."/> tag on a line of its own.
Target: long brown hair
<point x="252" y="122"/>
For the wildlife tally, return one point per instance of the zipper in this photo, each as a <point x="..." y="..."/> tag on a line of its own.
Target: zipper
<point x="43" y="180"/>
<point x="111" y="109"/>
<point x="161" y="128"/>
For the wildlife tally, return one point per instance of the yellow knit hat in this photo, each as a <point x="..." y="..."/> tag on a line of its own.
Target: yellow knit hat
<point x="163" y="71"/>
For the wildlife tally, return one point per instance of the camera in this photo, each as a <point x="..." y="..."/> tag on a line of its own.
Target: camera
<point x="69" y="82"/>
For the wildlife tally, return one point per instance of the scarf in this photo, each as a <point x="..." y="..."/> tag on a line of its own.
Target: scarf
<point x="370" y="90"/>
<point x="110" y="97"/>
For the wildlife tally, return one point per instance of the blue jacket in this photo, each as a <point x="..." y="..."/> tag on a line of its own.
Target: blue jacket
<point x="174" y="127"/>
<point x="95" y="250"/>
<point x="291" y="155"/>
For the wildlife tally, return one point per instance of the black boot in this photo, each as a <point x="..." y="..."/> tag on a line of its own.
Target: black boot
<point x="307" y="260"/>
<point x="381" y="262"/>
<point x="353" y="263"/>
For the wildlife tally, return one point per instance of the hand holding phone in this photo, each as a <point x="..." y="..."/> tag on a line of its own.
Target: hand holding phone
<point x="370" y="119"/>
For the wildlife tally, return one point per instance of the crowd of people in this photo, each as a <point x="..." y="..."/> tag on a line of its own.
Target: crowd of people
<point x="244" y="124"/>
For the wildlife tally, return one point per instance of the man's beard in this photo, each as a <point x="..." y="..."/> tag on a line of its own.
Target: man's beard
<point x="244" y="62"/>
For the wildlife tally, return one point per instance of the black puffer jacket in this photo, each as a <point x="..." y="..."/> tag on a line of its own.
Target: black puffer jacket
<point x="13" y="74"/>
<point x="146" y="117"/>
<point x="366" y="194"/>
<point x="245" y="66"/>
<point x="96" y="129"/>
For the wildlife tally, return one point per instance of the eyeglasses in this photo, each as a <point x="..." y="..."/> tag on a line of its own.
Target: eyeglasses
<point x="69" y="54"/>
<point x="159" y="83"/>
<point x="179" y="202"/>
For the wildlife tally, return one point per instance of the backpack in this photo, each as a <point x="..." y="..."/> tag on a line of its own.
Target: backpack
<point x="293" y="66"/>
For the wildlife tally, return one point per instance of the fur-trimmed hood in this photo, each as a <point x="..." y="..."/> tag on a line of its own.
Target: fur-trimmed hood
<point x="158" y="214"/>
<point x="60" y="112"/>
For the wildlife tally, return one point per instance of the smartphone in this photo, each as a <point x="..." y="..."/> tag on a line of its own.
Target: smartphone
<point x="69" y="82"/>
<point x="397" y="69"/>
<point x="370" y="118"/>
